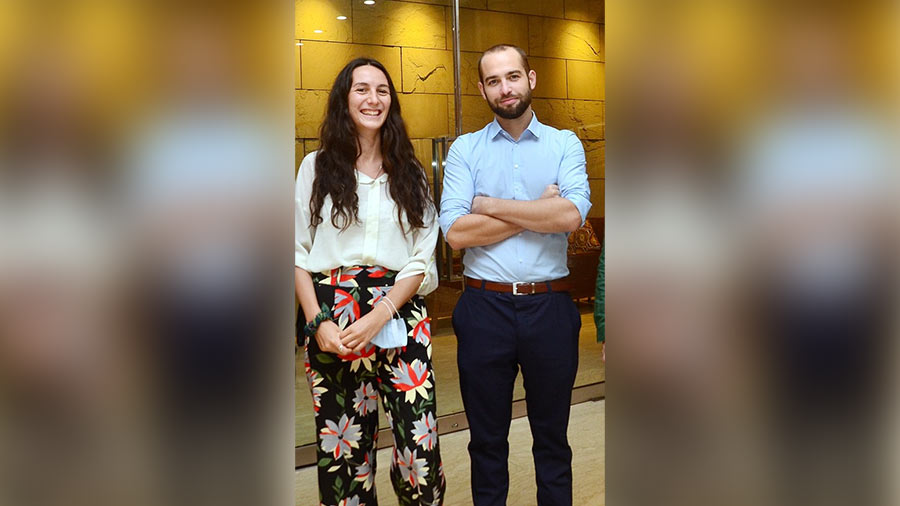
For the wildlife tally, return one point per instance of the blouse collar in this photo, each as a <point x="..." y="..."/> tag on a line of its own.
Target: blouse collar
<point x="366" y="180"/>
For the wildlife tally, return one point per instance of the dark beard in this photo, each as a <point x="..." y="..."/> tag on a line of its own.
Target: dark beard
<point x="515" y="112"/>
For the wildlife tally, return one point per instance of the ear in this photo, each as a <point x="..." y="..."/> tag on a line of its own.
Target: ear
<point x="532" y="78"/>
<point x="481" y="89"/>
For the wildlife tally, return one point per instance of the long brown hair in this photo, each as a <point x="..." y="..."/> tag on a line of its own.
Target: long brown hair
<point x="339" y="148"/>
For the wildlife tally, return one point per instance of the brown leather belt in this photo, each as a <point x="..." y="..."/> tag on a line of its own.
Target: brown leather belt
<point x="557" y="285"/>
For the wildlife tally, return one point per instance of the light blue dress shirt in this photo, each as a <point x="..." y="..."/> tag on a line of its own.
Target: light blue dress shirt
<point x="490" y="163"/>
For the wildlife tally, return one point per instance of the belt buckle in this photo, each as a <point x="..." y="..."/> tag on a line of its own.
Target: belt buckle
<point x="515" y="288"/>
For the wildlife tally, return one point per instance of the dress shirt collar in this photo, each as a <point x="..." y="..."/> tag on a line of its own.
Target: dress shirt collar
<point x="534" y="127"/>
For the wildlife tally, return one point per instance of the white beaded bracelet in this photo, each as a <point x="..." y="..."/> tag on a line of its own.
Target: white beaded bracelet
<point x="388" y="302"/>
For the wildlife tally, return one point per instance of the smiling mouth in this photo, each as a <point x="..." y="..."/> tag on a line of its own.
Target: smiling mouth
<point x="371" y="113"/>
<point x="508" y="101"/>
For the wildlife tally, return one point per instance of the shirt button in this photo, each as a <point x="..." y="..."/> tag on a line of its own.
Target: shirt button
<point x="516" y="165"/>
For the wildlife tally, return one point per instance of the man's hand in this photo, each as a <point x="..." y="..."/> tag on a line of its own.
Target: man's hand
<point x="550" y="191"/>
<point x="481" y="205"/>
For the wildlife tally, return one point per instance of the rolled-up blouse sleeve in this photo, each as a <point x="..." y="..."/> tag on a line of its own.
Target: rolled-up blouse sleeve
<point x="304" y="233"/>
<point x="421" y="260"/>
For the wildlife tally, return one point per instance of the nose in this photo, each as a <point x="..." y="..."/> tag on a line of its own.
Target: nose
<point x="504" y="87"/>
<point x="372" y="97"/>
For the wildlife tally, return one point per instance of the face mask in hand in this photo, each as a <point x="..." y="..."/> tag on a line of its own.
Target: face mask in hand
<point x="392" y="335"/>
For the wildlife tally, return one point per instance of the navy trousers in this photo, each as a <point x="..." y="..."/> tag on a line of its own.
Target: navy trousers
<point x="497" y="335"/>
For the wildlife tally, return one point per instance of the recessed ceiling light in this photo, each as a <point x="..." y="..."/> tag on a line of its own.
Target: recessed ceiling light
<point x="341" y="18"/>
<point x="318" y="31"/>
<point x="369" y="2"/>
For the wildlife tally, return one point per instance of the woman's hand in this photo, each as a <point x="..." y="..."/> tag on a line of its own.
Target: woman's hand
<point x="361" y="332"/>
<point x="328" y="335"/>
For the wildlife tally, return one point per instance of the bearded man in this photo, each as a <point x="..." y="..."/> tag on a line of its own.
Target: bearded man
<point x="512" y="191"/>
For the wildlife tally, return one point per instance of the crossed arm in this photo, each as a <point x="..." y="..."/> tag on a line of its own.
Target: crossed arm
<point x="490" y="220"/>
<point x="493" y="220"/>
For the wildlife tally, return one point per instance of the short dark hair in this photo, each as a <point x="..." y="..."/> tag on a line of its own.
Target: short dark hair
<point x="503" y="47"/>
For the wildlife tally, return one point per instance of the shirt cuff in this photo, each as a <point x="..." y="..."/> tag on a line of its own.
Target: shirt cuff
<point x="429" y="281"/>
<point x="449" y="216"/>
<point x="582" y="204"/>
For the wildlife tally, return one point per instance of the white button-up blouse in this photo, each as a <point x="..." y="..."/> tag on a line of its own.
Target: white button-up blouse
<point x="376" y="240"/>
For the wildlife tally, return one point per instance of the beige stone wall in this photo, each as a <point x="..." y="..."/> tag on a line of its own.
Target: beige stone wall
<point x="414" y="40"/>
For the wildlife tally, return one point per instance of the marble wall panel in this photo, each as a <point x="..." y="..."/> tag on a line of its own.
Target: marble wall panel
<point x="551" y="77"/>
<point x="321" y="61"/>
<point x="302" y="148"/>
<point x="448" y="29"/>
<point x="595" y="154"/>
<point x="592" y="115"/>
<point x="552" y="8"/>
<point x="427" y="70"/>
<point x="475" y="113"/>
<point x="425" y="115"/>
<point x="585" y="10"/>
<point x="480" y="30"/>
<point x="317" y="20"/>
<point x="394" y="23"/>
<point x="585" y="118"/>
<point x="468" y="73"/>
<point x="310" y="145"/>
<point x="555" y="113"/>
<point x="562" y="38"/>
<point x="310" y="110"/>
<point x="587" y="80"/>
<point x="298" y="82"/>
<point x="299" y="153"/>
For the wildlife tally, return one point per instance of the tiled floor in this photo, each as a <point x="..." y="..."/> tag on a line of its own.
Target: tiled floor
<point x="586" y="436"/>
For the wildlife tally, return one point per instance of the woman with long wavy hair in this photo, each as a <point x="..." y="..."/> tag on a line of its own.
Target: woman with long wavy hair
<point x="365" y="237"/>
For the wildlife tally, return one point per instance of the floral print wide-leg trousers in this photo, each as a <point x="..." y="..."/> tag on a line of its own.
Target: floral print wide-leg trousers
<point x="346" y="388"/>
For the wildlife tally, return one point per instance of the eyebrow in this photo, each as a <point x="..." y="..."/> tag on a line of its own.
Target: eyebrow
<point x="511" y="72"/>
<point x="364" y="83"/>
